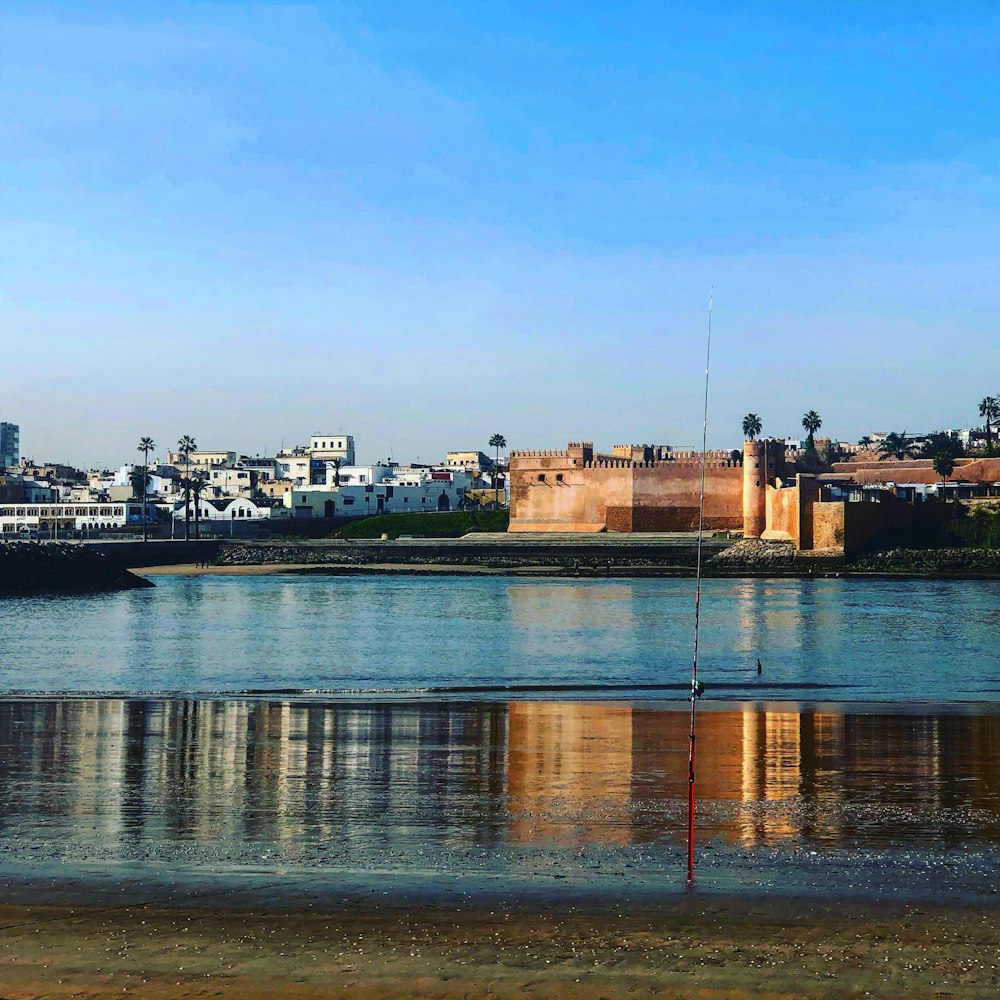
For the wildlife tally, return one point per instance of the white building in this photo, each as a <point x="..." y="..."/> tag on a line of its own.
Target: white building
<point x="221" y="509"/>
<point x="359" y="475"/>
<point x="264" y="468"/>
<point x="232" y="482"/>
<point x="295" y="467"/>
<point x="381" y="489"/>
<point x="56" y="518"/>
<point x="469" y="460"/>
<point x="202" y="459"/>
<point x="327" y="447"/>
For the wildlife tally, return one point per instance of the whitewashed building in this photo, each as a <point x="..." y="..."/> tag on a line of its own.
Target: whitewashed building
<point x="327" y="447"/>
<point x="221" y="509"/>
<point x="381" y="489"/>
<point x="57" y="518"/>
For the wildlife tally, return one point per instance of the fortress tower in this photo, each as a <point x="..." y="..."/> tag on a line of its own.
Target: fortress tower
<point x="754" y="488"/>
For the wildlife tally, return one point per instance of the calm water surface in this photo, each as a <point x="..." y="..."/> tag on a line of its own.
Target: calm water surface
<point x="589" y="792"/>
<point x="820" y="640"/>
<point x="463" y="730"/>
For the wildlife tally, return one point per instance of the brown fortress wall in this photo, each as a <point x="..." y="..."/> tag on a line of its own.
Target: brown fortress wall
<point x="666" y="496"/>
<point x="650" y="488"/>
<point x="634" y="489"/>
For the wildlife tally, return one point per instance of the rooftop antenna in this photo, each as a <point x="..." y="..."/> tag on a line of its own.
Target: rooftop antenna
<point x="695" y="686"/>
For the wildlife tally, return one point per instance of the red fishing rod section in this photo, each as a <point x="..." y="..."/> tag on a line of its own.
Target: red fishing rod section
<point x="695" y="691"/>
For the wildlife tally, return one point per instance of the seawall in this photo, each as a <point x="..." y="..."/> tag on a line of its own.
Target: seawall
<point x="60" y="568"/>
<point x="158" y="552"/>
<point x="499" y="552"/>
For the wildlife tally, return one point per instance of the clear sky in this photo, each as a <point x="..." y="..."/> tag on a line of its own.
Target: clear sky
<point x="422" y="223"/>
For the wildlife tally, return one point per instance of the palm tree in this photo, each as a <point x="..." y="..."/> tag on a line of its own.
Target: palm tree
<point x="337" y="463"/>
<point x="185" y="446"/>
<point x="897" y="446"/>
<point x="989" y="407"/>
<point x="137" y="479"/>
<point x="942" y="443"/>
<point x="146" y="445"/>
<point x="751" y="426"/>
<point x="865" y="443"/>
<point x="944" y="466"/>
<point x="812" y="423"/>
<point x="498" y="441"/>
<point x="198" y="484"/>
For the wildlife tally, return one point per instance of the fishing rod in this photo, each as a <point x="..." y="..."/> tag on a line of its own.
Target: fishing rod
<point x="695" y="692"/>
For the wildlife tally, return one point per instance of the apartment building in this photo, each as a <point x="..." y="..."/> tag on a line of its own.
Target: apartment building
<point x="10" y="445"/>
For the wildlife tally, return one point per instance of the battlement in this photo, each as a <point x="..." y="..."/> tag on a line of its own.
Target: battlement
<point x="716" y="455"/>
<point x="582" y="444"/>
<point x="540" y="453"/>
<point x="714" y="460"/>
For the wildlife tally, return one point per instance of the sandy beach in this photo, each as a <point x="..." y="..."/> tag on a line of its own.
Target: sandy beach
<point x="685" y="947"/>
<point x="345" y="569"/>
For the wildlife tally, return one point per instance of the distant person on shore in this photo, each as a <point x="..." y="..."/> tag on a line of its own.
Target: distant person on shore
<point x="760" y="669"/>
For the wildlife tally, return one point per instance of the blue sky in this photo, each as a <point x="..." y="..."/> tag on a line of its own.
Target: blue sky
<point x="422" y="223"/>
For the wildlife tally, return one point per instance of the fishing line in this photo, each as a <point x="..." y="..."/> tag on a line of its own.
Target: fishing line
<point x="697" y="605"/>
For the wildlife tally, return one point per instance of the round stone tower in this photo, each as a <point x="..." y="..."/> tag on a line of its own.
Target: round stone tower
<point x="754" y="488"/>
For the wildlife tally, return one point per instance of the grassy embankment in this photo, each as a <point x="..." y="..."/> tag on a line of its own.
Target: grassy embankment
<point x="450" y="524"/>
<point x="979" y="529"/>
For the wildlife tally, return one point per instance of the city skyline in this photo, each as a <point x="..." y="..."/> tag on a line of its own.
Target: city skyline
<point x="427" y="224"/>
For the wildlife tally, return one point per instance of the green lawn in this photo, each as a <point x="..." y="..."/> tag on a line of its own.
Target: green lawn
<point x="451" y="524"/>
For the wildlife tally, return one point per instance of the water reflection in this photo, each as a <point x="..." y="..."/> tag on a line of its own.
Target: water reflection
<point x="337" y="780"/>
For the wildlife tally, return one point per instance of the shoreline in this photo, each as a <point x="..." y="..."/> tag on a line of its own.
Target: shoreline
<point x="555" y="571"/>
<point x="687" y="945"/>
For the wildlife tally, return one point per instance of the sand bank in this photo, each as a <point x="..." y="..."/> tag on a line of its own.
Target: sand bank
<point x="685" y="947"/>
<point x="335" y="569"/>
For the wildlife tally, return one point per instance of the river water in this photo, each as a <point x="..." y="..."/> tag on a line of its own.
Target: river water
<point x="840" y="640"/>
<point x="527" y="735"/>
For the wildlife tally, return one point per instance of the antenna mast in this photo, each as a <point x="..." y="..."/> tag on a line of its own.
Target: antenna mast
<point x="697" y="605"/>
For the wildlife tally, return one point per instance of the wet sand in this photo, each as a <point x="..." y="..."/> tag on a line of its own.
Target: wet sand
<point x="335" y="569"/>
<point x="687" y="947"/>
<point x="178" y="848"/>
<point x="193" y="569"/>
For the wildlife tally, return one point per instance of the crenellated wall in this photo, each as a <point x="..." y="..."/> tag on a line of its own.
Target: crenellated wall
<point x="637" y="488"/>
<point x="576" y="490"/>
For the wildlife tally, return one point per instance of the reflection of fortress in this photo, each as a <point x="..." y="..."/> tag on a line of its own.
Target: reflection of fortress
<point x="323" y="777"/>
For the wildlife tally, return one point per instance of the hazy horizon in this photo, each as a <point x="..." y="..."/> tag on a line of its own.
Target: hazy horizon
<point x="423" y="224"/>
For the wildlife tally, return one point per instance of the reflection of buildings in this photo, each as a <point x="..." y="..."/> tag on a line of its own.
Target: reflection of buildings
<point x="354" y="779"/>
<point x="569" y="771"/>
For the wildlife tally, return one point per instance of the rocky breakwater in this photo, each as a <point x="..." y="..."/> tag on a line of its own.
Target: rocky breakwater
<point x="754" y="557"/>
<point x="60" y="568"/>
<point x="954" y="562"/>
